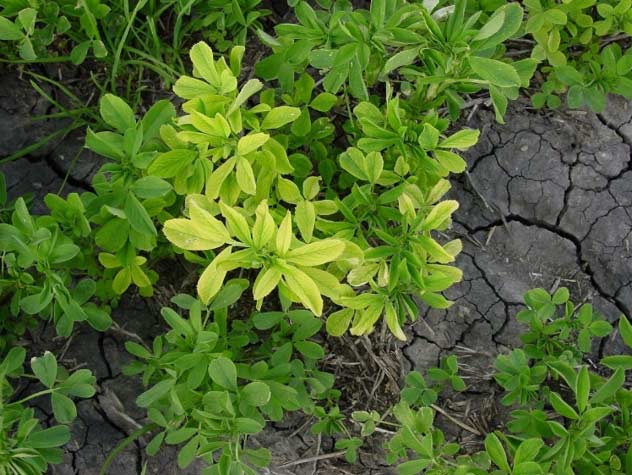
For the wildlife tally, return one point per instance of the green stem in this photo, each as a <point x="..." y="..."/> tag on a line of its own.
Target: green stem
<point x="32" y="396"/>
<point x="49" y="59"/>
<point x="122" y="445"/>
<point x="119" y="49"/>
<point x="40" y="143"/>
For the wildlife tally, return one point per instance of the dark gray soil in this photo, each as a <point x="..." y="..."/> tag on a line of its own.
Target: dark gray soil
<point x="547" y="202"/>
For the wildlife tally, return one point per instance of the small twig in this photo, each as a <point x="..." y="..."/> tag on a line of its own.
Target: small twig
<point x="555" y="286"/>
<point x="384" y="431"/>
<point x="116" y="328"/>
<point x="379" y="362"/>
<point x="462" y="425"/>
<point x="312" y="459"/>
<point x="478" y="193"/>
<point x="66" y="347"/>
<point x="489" y="236"/>
<point x="318" y="442"/>
<point x="376" y="385"/>
<point x="300" y="429"/>
<point x="612" y="39"/>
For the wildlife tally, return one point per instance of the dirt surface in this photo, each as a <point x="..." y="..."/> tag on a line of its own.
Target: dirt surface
<point x="547" y="202"/>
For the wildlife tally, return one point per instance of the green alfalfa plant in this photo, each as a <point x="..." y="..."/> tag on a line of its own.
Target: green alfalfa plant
<point x="576" y="419"/>
<point x="441" y="55"/>
<point x="126" y="201"/>
<point x="576" y="41"/>
<point x="30" y="28"/>
<point x="227" y="158"/>
<point x="215" y="380"/>
<point x="38" y="264"/>
<point x="26" y="447"/>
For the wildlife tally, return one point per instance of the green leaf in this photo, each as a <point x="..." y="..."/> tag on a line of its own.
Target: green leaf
<point x="45" y="369"/>
<point x="187" y="453"/>
<point x="154" y="445"/>
<point x="155" y="393"/>
<point x="353" y="161"/>
<point x="561" y="407"/>
<point x="450" y="161"/>
<point x="528" y="450"/>
<point x="230" y="293"/>
<point x="170" y="163"/>
<point x="316" y="253"/>
<point x="582" y="391"/>
<point x="200" y="233"/>
<point x="245" y="176"/>
<point x="249" y="89"/>
<point x="178" y="436"/>
<point x="429" y="137"/>
<point x="439" y="214"/>
<point x="304" y="288"/>
<point x="526" y="68"/>
<point x="310" y="349"/>
<point x="266" y="282"/>
<point x="338" y="322"/>
<point x="461" y="140"/>
<point x="9" y="31"/>
<point x="512" y="16"/>
<point x="116" y="113"/>
<point x="492" y="26"/>
<point x="27" y="17"/>
<point x="625" y="329"/>
<point x="107" y="144"/>
<point x="402" y="58"/>
<point x="260" y="457"/>
<point x="236" y="223"/>
<point x="609" y="388"/>
<point x="202" y="57"/>
<point x="189" y="88"/>
<point x="150" y="187"/>
<point x="158" y="115"/>
<point x="122" y="281"/>
<point x="267" y="320"/>
<point x="496" y="452"/>
<point x="212" y="278"/>
<point x="537" y="298"/>
<point x="13" y="361"/>
<point x="280" y="116"/>
<point x="496" y="72"/>
<point x="64" y="409"/>
<point x="323" y="102"/>
<point x="556" y="16"/>
<point x="55" y="436"/>
<point x="26" y="49"/>
<point x="305" y="219"/>
<point x="251" y="142"/>
<point x="569" y="75"/>
<point x="413" y="467"/>
<point x="247" y="426"/>
<point x="79" y="52"/>
<point x="600" y="328"/>
<point x="175" y="321"/>
<point x="223" y="372"/>
<point x="256" y="394"/>
<point x="138" y="217"/>
<point x="560" y="296"/>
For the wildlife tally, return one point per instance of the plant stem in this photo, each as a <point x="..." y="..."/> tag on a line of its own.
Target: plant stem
<point x="119" y="49"/>
<point x="122" y="445"/>
<point x="32" y="396"/>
